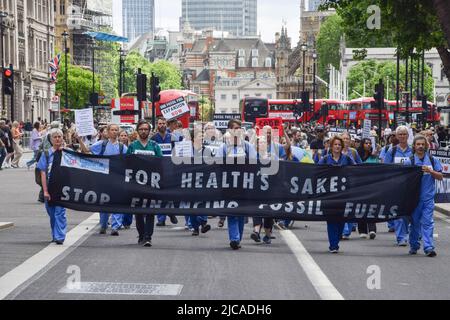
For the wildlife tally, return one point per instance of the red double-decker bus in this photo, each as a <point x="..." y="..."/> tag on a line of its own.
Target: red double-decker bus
<point x="416" y="111"/>
<point x="324" y="110"/>
<point x="361" y="108"/>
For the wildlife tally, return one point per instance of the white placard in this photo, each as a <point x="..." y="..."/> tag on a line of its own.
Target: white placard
<point x="366" y="128"/>
<point x="183" y="149"/>
<point x="174" y="108"/>
<point x="84" y="121"/>
<point x="410" y="136"/>
<point x="221" y="124"/>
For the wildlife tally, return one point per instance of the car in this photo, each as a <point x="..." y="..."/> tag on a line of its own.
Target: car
<point x="128" y="127"/>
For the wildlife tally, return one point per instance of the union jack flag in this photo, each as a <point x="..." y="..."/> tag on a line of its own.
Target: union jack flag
<point x="54" y="67"/>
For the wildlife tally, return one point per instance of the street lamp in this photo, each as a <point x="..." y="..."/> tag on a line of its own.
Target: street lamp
<point x="122" y="54"/>
<point x="314" y="56"/>
<point x="2" y="15"/>
<point x="304" y="47"/>
<point x="66" y="104"/>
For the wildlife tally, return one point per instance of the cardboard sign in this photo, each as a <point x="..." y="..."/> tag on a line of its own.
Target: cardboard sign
<point x="174" y="108"/>
<point x="366" y="128"/>
<point x="221" y="119"/>
<point x="444" y="158"/>
<point x="84" y="122"/>
<point x="274" y="123"/>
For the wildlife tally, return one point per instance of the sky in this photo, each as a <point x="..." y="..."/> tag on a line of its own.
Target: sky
<point x="270" y="17"/>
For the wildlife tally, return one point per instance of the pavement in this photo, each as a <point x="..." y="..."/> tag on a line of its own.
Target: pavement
<point x="295" y="266"/>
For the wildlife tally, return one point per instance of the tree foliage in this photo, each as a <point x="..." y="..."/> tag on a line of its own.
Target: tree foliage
<point x="206" y="109"/>
<point x="169" y="75"/>
<point x="372" y="71"/>
<point x="412" y="24"/>
<point x="79" y="84"/>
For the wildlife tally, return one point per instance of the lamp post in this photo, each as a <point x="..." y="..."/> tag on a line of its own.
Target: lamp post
<point x="2" y="15"/>
<point x="314" y="56"/>
<point x="304" y="47"/>
<point x="122" y="54"/>
<point x="66" y="103"/>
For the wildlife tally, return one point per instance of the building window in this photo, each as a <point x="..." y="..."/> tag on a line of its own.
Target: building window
<point x="241" y="53"/>
<point x="62" y="7"/>
<point x="258" y="94"/>
<point x="234" y="96"/>
<point x="254" y="62"/>
<point x="234" y="111"/>
<point x="268" y="63"/>
<point x="223" y="97"/>
<point x="241" y="63"/>
<point x="255" y="53"/>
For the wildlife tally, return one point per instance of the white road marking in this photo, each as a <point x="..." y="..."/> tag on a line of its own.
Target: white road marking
<point x="316" y="276"/>
<point x="113" y="288"/>
<point x="5" y="225"/>
<point x="442" y="217"/>
<point x="22" y="273"/>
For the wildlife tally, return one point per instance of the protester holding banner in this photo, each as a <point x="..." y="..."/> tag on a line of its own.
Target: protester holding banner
<point x="144" y="146"/>
<point x="164" y="139"/>
<point x="57" y="214"/>
<point x="422" y="223"/>
<point x="198" y="155"/>
<point x="399" y="155"/>
<point x="237" y="148"/>
<point x="108" y="147"/>
<point x="365" y="152"/>
<point x="336" y="158"/>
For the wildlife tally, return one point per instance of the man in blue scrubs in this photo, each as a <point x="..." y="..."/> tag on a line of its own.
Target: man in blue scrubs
<point x="422" y="218"/>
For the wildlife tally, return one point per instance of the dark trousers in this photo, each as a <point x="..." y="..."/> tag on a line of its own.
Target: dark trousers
<point x="2" y="155"/>
<point x="367" y="227"/>
<point x="267" y="223"/>
<point x="145" y="223"/>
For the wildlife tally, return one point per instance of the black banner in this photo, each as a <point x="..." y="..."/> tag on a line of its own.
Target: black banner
<point x="142" y="184"/>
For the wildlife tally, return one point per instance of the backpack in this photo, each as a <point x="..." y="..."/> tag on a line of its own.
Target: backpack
<point x="413" y="160"/>
<point x="105" y="143"/>
<point x="37" y="172"/>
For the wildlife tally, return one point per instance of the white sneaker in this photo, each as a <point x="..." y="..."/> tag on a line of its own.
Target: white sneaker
<point x="345" y="237"/>
<point x="363" y="235"/>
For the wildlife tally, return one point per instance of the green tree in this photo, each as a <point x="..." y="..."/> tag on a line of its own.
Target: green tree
<point x="206" y="109"/>
<point x="412" y="24"/>
<point x="328" y="42"/>
<point x="372" y="71"/>
<point x="79" y="84"/>
<point x="168" y="73"/>
<point x="134" y="60"/>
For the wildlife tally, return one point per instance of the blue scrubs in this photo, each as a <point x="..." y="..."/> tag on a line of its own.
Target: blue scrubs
<point x="236" y="224"/>
<point x="110" y="150"/>
<point x="400" y="157"/>
<point x="335" y="229"/>
<point x="422" y="218"/>
<point x="57" y="214"/>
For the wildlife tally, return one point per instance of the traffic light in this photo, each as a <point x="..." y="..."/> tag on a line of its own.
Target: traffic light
<point x="379" y="95"/>
<point x="141" y="86"/>
<point x="156" y="89"/>
<point x="297" y="108"/>
<point x="8" y="81"/>
<point x="305" y="101"/>
<point x="93" y="99"/>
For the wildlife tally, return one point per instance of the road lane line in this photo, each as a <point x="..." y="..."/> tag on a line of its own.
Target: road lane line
<point x="316" y="276"/>
<point x="28" y="269"/>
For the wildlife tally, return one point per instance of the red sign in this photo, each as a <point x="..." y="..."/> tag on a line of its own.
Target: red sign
<point x="274" y="123"/>
<point x="125" y="104"/>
